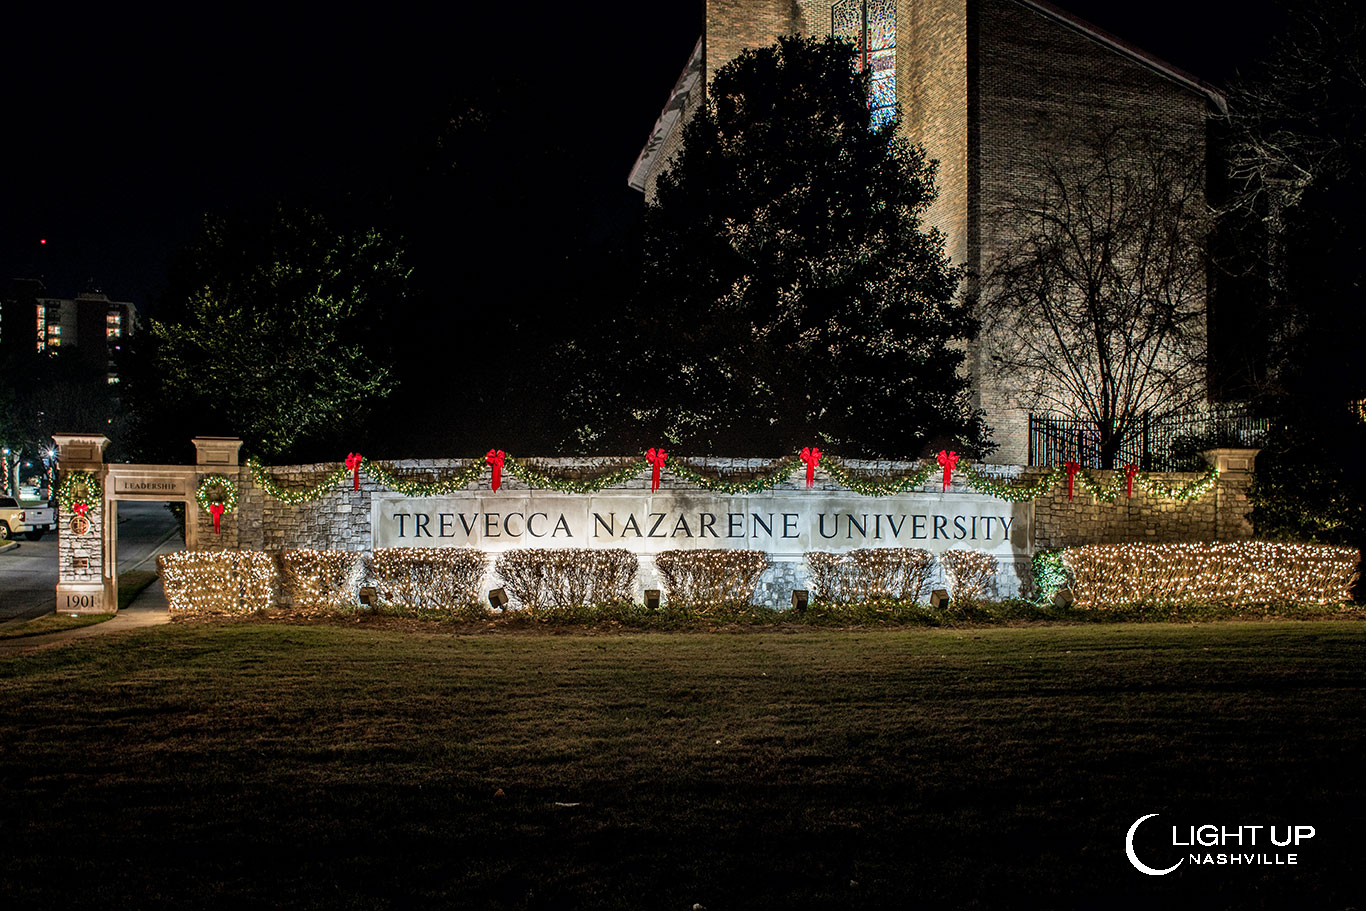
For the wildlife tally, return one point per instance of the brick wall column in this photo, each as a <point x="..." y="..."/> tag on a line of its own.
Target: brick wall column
<point x="1231" y="505"/>
<point x="84" y="573"/>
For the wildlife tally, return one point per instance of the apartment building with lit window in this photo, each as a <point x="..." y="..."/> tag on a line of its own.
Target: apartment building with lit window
<point x="90" y="324"/>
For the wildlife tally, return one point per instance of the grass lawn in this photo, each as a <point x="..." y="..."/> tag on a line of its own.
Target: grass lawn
<point x="333" y="766"/>
<point x="51" y="623"/>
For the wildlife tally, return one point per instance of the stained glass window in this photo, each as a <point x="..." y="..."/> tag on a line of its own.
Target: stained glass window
<point x="871" y="25"/>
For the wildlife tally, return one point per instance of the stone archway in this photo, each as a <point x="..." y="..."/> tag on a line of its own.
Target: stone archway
<point x="87" y="551"/>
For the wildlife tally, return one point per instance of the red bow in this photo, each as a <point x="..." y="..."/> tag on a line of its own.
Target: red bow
<point x="1072" y="469"/>
<point x="811" y="456"/>
<point x="80" y="509"/>
<point x="656" y="458"/>
<point x="495" y="458"/>
<point x="216" y="510"/>
<point x="352" y="465"/>
<point x="948" y="461"/>
<point x="1129" y="471"/>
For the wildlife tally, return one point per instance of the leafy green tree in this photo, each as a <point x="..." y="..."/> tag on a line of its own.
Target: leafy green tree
<point x="791" y="293"/>
<point x="273" y="335"/>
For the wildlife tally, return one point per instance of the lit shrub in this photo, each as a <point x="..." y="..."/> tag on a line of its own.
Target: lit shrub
<point x="421" y="578"/>
<point x="706" y="579"/>
<point x="321" y="579"/>
<point x="1235" y="572"/>
<point x="969" y="573"/>
<point x="218" y="581"/>
<point x="564" y="578"/>
<point x="870" y="574"/>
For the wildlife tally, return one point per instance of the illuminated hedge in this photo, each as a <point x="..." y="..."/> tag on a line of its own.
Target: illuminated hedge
<point x="703" y="579"/>
<point x="218" y="581"/>
<point x="321" y="579"/>
<point x="568" y="577"/>
<point x="969" y="573"/>
<point x="1234" y="573"/>
<point x="870" y="574"/>
<point x="420" y="578"/>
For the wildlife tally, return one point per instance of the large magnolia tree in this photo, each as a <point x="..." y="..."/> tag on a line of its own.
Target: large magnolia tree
<point x="791" y="292"/>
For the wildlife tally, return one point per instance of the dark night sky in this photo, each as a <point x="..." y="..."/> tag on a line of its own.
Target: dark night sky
<point x="122" y="127"/>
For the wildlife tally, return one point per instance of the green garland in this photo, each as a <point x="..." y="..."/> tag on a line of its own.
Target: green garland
<point x="385" y="476"/>
<point x="880" y="486"/>
<point x="1011" y="492"/>
<point x="776" y="473"/>
<point x="294" y="497"/>
<point x="217" y="482"/>
<point x="533" y="477"/>
<point x="66" y="494"/>
<point x="1191" y="490"/>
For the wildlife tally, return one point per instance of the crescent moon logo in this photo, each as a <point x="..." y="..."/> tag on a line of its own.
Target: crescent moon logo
<point x="1139" y="865"/>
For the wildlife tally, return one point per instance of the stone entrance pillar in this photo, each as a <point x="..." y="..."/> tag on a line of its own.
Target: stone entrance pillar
<point x="84" y="583"/>
<point x="1231" y="505"/>
<point x="213" y="456"/>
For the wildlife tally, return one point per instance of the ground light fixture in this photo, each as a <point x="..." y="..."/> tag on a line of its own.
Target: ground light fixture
<point x="652" y="598"/>
<point x="939" y="599"/>
<point x="1063" y="598"/>
<point x="799" y="598"/>
<point x="498" y="599"/>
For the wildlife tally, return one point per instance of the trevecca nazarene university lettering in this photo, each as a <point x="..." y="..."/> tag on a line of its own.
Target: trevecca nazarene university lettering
<point x="778" y="522"/>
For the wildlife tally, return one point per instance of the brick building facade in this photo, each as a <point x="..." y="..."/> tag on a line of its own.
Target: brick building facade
<point x="987" y="87"/>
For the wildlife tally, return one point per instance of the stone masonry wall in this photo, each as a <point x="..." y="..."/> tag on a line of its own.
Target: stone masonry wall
<point x="341" y="518"/>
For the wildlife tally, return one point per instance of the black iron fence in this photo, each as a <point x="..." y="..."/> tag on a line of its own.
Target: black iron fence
<point x="1169" y="443"/>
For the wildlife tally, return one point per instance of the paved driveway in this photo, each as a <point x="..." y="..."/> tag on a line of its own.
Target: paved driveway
<point x="28" y="573"/>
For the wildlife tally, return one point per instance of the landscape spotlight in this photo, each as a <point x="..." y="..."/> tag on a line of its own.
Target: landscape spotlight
<point x="1063" y="598"/>
<point x="799" y="599"/>
<point x="652" y="598"/>
<point x="367" y="596"/>
<point x="498" y="599"/>
<point x="939" y="599"/>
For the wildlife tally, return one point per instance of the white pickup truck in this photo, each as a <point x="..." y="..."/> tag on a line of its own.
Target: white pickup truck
<point x="32" y="521"/>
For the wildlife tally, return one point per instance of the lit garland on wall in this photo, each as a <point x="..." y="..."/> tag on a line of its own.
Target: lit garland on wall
<point x="1108" y="492"/>
<point x="294" y="497"/>
<point x="79" y="487"/>
<point x="534" y="477"/>
<point x="1173" y="490"/>
<point x="774" y="474"/>
<point x="410" y="487"/>
<point x="878" y="485"/>
<point x="1236" y="573"/>
<point x="1012" y="492"/>
<point x="218" y="581"/>
<point x="869" y="483"/>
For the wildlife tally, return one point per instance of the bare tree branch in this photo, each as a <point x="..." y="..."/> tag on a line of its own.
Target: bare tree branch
<point x="1093" y="297"/>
